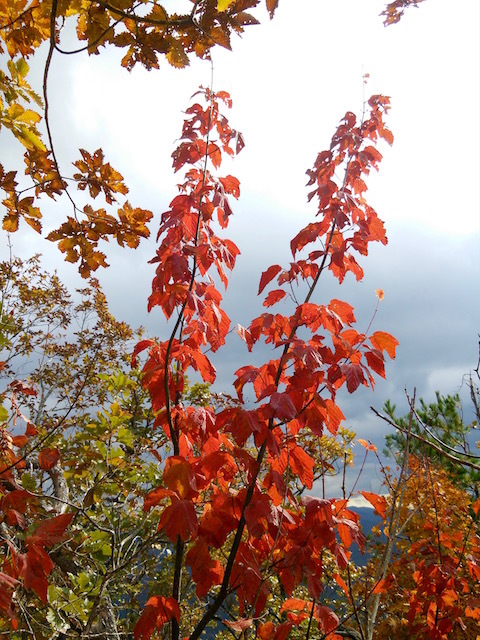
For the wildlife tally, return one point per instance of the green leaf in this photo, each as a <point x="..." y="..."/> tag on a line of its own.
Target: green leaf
<point x="102" y="448"/>
<point x="125" y="436"/>
<point x="3" y="414"/>
<point x="57" y="623"/>
<point x="22" y="67"/>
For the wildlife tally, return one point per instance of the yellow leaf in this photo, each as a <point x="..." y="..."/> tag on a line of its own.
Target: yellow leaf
<point x="34" y="224"/>
<point x="22" y="67"/>
<point x="10" y="223"/>
<point x="176" y="55"/>
<point x="15" y="110"/>
<point x="222" y="5"/>
<point x="30" y="139"/>
<point x="29" y="117"/>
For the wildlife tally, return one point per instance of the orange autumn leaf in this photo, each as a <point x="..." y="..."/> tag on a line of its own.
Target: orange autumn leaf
<point x="379" y="503"/>
<point x="384" y="342"/>
<point x="368" y="445"/>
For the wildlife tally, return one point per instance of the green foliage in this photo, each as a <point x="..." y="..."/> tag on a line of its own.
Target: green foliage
<point x="440" y="433"/>
<point x="90" y="450"/>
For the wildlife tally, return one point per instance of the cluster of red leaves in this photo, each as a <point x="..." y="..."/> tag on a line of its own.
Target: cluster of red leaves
<point x="227" y="486"/>
<point x="346" y="224"/>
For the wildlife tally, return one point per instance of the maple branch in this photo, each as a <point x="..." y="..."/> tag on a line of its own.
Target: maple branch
<point x="224" y="590"/>
<point x="268" y="562"/>
<point x="294" y="329"/>
<point x="211" y="611"/>
<point x="180" y="318"/>
<point x="177" y="582"/>
<point x="319" y="272"/>
<point x="310" y="619"/>
<point x="180" y="546"/>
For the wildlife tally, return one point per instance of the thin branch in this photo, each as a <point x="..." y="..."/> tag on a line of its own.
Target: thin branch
<point x="181" y="22"/>
<point x="443" y="444"/>
<point x="54" y="429"/>
<point x="393" y="523"/>
<point x="437" y="448"/>
<point x="222" y="594"/>
<point x="310" y="619"/>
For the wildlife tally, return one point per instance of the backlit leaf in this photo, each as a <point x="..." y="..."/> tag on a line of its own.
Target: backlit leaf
<point x="51" y="531"/>
<point x="239" y="625"/>
<point x="48" y="458"/>
<point x="158" y="611"/>
<point x="178" y="476"/>
<point x="267" y="276"/>
<point x="354" y="376"/>
<point x="385" y="342"/>
<point x="379" y="503"/>
<point x="273" y="297"/>
<point x="271" y="6"/>
<point x="222" y="5"/>
<point x="179" y="520"/>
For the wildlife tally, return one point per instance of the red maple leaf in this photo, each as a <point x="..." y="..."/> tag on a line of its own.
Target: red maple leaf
<point x="48" y="458"/>
<point x="179" y="519"/>
<point x="158" y="611"/>
<point x="50" y="531"/>
<point x="384" y="342"/>
<point x="378" y="503"/>
<point x="267" y="276"/>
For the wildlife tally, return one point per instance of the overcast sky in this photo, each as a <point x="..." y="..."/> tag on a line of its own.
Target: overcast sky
<point x="292" y="80"/>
